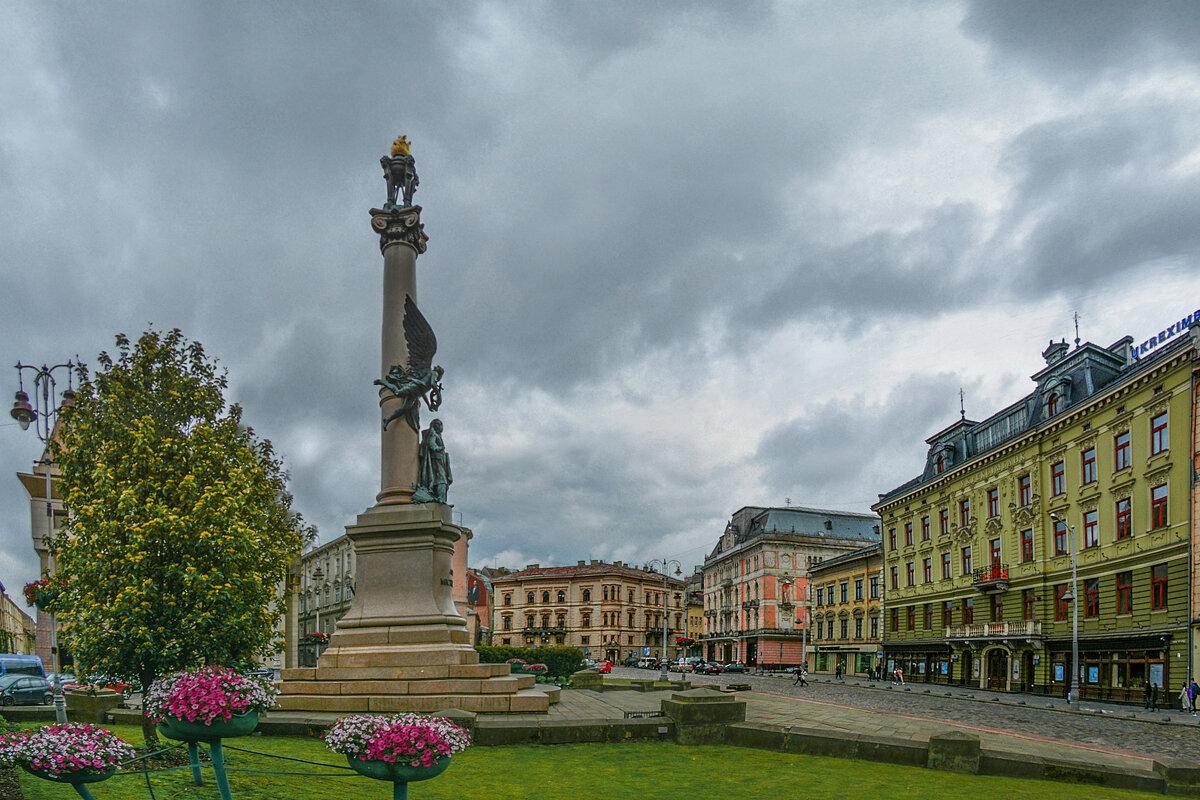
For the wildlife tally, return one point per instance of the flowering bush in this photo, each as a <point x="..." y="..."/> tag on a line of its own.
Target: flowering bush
<point x="397" y="738"/>
<point x="42" y="593"/>
<point x="207" y="694"/>
<point x="536" y="669"/>
<point x="58" y="749"/>
<point x="516" y="661"/>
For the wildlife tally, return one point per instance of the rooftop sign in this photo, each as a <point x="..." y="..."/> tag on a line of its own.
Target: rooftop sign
<point x="1139" y="350"/>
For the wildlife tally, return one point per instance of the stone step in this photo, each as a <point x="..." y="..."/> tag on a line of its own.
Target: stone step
<point x="478" y="671"/>
<point x="508" y="684"/>
<point x="531" y="700"/>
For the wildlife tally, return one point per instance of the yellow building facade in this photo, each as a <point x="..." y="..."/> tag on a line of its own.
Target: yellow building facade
<point x="977" y="549"/>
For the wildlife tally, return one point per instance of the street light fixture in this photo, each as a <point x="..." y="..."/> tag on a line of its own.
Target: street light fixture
<point x="44" y="412"/>
<point x="666" y="566"/>
<point x="1072" y="594"/>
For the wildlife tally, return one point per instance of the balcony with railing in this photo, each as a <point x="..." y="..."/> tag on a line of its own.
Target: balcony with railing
<point x="991" y="577"/>
<point x="1017" y="629"/>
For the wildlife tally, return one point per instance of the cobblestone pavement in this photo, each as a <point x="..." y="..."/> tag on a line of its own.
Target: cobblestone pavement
<point x="1121" y="728"/>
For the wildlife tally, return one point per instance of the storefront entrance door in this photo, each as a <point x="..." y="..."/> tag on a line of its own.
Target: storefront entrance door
<point x="997" y="673"/>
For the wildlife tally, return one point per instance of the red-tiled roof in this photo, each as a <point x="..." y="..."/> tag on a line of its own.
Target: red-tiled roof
<point x="586" y="569"/>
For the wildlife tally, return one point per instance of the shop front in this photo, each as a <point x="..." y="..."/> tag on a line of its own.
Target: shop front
<point x="923" y="663"/>
<point x="1115" y="669"/>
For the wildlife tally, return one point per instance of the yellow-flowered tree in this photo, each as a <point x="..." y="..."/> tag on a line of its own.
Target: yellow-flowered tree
<point x="179" y="522"/>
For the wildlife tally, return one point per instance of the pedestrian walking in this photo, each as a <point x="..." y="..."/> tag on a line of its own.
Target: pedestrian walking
<point x="1185" y="701"/>
<point x="837" y="672"/>
<point x="1146" y="689"/>
<point x="801" y="677"/>
<point x="1193" y="691"/>
<point x="900" y="674"/>
<point x="1154" y="697"/>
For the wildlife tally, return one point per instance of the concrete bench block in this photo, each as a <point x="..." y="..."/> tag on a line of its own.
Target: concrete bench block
<point x="494" y="733"/>
<point x="757" y="735"/>
<point x="954" y="751"/>
<point x="572" y="731"/>
<point x="893" y="750"/>
<point x="650" y="729"/>
<point x="818" y="742"/>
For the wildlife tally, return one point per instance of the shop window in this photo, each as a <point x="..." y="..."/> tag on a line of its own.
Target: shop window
<point x="1124" y="518"/>
<point x="1088" y="466"/>
<point x="1121" y="451"/>
<point x="1158" y="433"/>
<point x="1124" y="592"/>
<point x="1027" y="545"/>
<point x="1158" y="587"/>
<point x="1060" y="602"/>
<point x="1060" y="538"/>
<point x="1058" y="478"/>
<point x="993" y="500"/>
<point x="1158" y="506"/>
<point x="924" y="529"/>
<point x="1025" y="490"/>
<point x="1091" y="596"/>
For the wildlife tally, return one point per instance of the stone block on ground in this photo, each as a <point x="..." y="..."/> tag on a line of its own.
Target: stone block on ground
<point x="954" y="751"/>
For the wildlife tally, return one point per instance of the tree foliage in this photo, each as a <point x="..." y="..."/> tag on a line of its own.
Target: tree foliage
<point x="179" y="525"/>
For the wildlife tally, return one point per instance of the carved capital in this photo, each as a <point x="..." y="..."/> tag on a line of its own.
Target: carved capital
<point x="399" y="226"/>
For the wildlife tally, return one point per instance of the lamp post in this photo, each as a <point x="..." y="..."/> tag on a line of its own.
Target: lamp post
<point x="1072" y="594"/>
<point x="666" y="566"/>
<point x="44" y="414"/>
<point x="318" y="576"/>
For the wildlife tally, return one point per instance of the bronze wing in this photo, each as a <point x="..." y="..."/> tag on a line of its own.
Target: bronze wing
<point x="418" y="335"/>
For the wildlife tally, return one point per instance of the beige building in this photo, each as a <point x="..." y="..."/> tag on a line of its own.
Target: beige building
<point x="16" y="627"/>
<point x="606" y="610"/>
<point x="846" y="609"/>
<point x="42" y="528"/>
<point x="758" y="570"/>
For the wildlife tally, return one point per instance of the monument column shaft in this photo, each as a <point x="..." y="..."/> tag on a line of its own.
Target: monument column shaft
<point x="399" y="442"/>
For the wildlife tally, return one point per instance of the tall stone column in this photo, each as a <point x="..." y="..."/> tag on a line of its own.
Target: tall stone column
<point x="401" y="239"/>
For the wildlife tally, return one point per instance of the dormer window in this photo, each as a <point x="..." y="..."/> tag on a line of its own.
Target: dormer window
<point x="1052" y="405"/>
<point x="941" y="464"/>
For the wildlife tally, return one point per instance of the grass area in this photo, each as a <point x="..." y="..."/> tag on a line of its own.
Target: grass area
<point x="648" y="771"/>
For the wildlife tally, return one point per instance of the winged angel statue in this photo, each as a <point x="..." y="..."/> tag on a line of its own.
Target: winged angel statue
<point x="420" y="377"/>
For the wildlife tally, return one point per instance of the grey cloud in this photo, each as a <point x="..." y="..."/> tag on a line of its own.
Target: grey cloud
<point x="1081" y="42"/>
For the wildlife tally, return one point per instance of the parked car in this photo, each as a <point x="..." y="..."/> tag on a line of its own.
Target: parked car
<point x="25" y="690"/>
<point x="733" y="668"/>
<point x="711" y="668"/>
<point x="604" y="667"/>
<point x="632" y="661"/>
<point x="17" y="664"/>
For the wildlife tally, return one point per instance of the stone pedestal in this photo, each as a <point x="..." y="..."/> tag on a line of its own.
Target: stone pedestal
<point x="402" y="645"/>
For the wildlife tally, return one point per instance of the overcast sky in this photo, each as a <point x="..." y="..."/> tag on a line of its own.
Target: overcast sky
<point x="682" y="257"/>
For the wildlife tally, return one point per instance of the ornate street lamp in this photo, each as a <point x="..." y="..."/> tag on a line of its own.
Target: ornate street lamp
<point x="666" y="567"/>
<point x="43" y="413"/>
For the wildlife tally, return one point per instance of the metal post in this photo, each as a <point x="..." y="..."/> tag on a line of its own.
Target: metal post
<point x="1074" y="625"/>
<point x="666" y="566"/>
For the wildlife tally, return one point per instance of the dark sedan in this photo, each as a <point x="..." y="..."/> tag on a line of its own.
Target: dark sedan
<point x="733" y="668"/>
<point x="708" y="669"/>
<point x="25" y="690"/>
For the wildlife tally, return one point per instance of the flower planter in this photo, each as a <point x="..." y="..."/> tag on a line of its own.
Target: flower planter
<point x="74" y="778"/>
<point x="84" y="706"/>
<point x="183" y="731"/>
<point x="401" y="772"/>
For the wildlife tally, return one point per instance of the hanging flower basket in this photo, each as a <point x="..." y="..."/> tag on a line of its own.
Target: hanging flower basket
<point x="316" y="637"/>
<point x="685" y="640"/>
<point x="208" y="704"/>
<point x="71" y="753"/>
<point x="396" y="747"/>
<point x="43" y="593"/>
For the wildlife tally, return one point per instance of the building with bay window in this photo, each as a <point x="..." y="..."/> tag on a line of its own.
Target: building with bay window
<point x="756" y="577"/>
<point x="977" y="548"/>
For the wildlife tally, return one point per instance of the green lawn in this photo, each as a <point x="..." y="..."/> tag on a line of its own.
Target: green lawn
<point x="646" y="771"/>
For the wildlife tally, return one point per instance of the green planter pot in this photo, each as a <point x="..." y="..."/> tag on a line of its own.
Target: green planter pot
<point x="397" y="773"/>
<point x="183" y="731"/>
<point x="74" y="778"/>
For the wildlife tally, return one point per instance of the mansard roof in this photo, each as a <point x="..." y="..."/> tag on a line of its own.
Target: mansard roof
<point x="1068" y="379"/>
<point x="754" y="522"/>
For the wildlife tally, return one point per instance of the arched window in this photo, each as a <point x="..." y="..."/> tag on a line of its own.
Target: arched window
<point x="1052" y="405"/>
<point x="508" y="599"/>
<point x="529" y="599"/>
<point x="587" y="595"/>
<point x="562" y="596"/>
<point x="605" y="592"/>
<point x="545" y="597"/>
<point x="561" y="620"/>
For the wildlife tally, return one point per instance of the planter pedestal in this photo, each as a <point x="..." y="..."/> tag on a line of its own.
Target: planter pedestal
<point x="91" y="708"/>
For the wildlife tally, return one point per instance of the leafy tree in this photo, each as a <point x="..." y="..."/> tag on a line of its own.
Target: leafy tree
<point x="179" y="528"/>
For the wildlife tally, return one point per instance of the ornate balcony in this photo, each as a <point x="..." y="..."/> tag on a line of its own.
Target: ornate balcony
<point x="993" y="577"/>
<point x="1021" y="629"/>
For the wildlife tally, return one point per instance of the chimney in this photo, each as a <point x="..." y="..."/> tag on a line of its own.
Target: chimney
<point x="533" y="566"/>
<point x="581" y="564"/>
<point x="1055" y="351"/>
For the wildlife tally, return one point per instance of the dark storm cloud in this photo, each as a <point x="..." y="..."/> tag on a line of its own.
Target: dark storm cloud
<point x="1079" y="42"/>
<point x="843" y="453"/>
<point x="1100" y="195"/>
